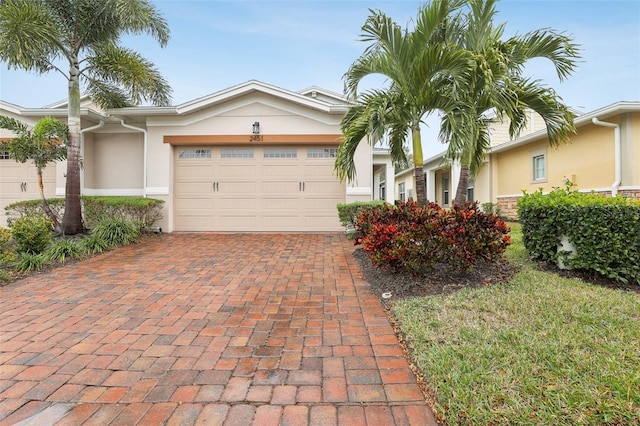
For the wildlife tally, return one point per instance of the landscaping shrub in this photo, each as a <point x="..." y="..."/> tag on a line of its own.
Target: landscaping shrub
<point x="94" y="244"/>
<point x="28" y="262"/>
<point x="33" y="208"/>
<point x="605" y="231"/>
<point x="348" y="213"/>
<point x="8" y="254"/>
<point x="418" y="239"/>
<point x="144" y="212"/>
<point x="64" y="249"/>
<point x="116" y="232"/>
<point x="31" y="234"/>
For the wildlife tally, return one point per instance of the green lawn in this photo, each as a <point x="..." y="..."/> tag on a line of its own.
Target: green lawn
<point x="538" y="350"/>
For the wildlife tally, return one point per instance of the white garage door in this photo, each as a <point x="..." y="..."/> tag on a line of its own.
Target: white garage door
<point x="248" y="188"/>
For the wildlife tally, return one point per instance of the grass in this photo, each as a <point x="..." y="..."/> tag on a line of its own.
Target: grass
<point x="538" y="350"/>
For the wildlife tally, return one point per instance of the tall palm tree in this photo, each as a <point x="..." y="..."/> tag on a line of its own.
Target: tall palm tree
<point x="44" y="144"/>
<point x="417" y="62"/>
<point x="497" y="84"/>
<point x="43" y="35"/>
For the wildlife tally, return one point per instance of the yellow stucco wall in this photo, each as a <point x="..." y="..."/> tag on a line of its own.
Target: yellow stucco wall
<point x="588" y="160"/>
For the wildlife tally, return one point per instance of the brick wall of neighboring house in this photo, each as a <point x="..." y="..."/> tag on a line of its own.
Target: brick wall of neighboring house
<point x="509" y="205"/>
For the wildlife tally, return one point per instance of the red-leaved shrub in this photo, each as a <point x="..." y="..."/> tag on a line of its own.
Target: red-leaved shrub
<point x="418" y="239"/>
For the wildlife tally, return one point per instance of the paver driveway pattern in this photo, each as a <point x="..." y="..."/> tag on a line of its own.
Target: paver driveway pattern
<point x="205" y="329"/>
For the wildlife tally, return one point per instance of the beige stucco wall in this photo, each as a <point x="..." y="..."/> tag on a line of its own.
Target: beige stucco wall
<point x="499" y="129"/>
<point x="116" y="161"/>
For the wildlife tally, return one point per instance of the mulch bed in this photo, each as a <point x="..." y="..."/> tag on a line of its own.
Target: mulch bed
<point x="399" y="285"/>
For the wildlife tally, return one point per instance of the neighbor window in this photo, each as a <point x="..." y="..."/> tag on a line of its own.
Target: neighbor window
<point x="470" y="185"/>
<point x="194" y="153"/>
<point x="280" y="153"/>
<point x="322" y="152"/>
<point x="445" y="190"/>
<point x="401" y="191"/>
<point x="4" y="155"/>
<point x="382" y="189"/>
<point x="538" y="165"/>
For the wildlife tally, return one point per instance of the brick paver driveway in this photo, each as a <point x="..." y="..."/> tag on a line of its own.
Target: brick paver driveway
<point x="205" y="329"/>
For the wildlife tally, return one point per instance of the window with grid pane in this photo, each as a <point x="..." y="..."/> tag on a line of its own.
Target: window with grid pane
<point x="280" y="153"/>
<point x="322" y="152"/>
<point x="4" y="155"/>
<point x="194" y="153"/>
<point x="236" y="153"/>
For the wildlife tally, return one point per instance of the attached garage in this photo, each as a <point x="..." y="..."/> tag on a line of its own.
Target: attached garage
<point x="256" y="188"/>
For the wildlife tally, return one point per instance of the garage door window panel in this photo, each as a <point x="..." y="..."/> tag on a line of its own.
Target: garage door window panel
<point x="236" y="153"/>
<point x="184" y="154"/>
<point x="280" y="153"/>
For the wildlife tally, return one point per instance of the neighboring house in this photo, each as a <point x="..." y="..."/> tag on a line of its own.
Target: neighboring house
<point x="253" y="157"/>
<point x="602" y="156"/>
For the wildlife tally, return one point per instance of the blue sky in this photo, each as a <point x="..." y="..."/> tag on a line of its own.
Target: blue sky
<point x="297" y="44"/>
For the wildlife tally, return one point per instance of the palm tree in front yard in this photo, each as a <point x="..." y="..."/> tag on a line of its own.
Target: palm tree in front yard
<point x="497" y="84"/>
<point x="44" y="144"/>
<point x="80" y="39"/>
<point x="418" y="63"/>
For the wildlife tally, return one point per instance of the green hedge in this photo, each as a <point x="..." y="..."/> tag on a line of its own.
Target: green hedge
<point x="348" y="213"/>
<point x="605" y="231"/>
<point x="144" y="212"/>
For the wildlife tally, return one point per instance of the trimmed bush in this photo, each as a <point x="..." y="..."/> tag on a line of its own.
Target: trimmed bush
<point x="605" y="231"/>
<point x="348" y="214"/>
<point x="116" y="232"/>
<point x="418" y="239"/>
<point x="31" y="234"/>
<point x="145" y="212"/>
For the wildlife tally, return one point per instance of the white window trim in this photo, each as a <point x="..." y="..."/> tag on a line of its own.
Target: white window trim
<point x="402" y="194"/>
<point x="536" y="153"/>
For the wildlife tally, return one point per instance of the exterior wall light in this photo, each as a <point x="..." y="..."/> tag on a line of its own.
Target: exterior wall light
<point x="256" y="128"/>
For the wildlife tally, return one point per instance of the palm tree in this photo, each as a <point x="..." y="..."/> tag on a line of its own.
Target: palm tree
<point x="42" y="35"/>
<point x="44" y="144"/>
<point x="497" y="85"/>
<point x="417" y="63"/>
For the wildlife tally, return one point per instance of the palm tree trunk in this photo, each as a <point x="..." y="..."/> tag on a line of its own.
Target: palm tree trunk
<point x="45" y="205"/>
<point x="418" y="171"/>
<point x="72" y="220"/>
<point x="463" y="183"/>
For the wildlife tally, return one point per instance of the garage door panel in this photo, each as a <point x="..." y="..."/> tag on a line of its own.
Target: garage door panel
<point x="236" y="187"/>
<point x="281" y="204"/>
<point x="234" y="222"/>
<point x="237" y="170"/>
<point x="239" y="204"/>
<point x="280" y="187"/>
<point x="281" y="170"/>
<point x="281" y="222"/>
<point x="194" y="189"/>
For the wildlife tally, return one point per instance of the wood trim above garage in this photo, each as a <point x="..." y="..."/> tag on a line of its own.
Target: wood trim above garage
<point x="250" y="139"/>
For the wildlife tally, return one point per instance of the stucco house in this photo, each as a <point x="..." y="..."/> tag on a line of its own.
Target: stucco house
<point x="602" y="156"/>
<point x="252" y="157"/>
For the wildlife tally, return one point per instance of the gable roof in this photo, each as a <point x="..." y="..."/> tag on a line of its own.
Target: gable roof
<point x="249" y="87"/>
<point x="583" y="120"/>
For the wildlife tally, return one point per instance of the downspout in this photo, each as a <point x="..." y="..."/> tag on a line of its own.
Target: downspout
<point x="144" y="155"/>
<point x="82" y="132"/>
<point x="618" y="156"/>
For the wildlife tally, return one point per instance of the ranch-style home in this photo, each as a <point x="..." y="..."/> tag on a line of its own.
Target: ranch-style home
<point x="602" y="156"/>
<point x="253" y="157"/>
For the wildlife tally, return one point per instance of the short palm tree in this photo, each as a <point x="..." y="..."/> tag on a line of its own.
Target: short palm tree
<point x="496" y="84"/>
<point x="44" y="144"/>
<point x="417" y="63"/>
<point x="45" y="35"/>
